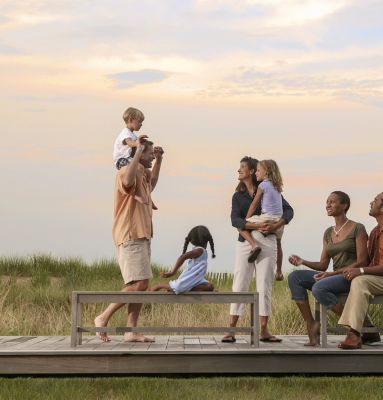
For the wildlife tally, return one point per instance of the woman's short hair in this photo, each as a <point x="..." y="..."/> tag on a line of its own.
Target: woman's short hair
<point x="343" y="197"/>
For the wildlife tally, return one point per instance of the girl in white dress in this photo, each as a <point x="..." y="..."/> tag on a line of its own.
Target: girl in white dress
<point x="193" y="276"/>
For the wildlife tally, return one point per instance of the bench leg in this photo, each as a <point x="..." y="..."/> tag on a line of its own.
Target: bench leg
<point x="254" y="311"/>
<point x="323" y="325"/>
<point x="79" y="322"/>
<point x="317" y="318"/>
<point x="74" y="321"/>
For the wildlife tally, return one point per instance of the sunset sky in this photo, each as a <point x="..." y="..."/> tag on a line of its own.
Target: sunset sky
<point x="298" y="81"/>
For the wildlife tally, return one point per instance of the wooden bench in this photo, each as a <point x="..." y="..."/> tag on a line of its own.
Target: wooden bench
<point x="321" y="315"/>
<point x="80" y="297"/>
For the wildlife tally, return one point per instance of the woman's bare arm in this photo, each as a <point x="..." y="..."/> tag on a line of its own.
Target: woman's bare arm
<point x="321" y="265"/>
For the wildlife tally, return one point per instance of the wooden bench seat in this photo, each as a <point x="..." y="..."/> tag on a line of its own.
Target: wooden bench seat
<point x="86" y="297"/>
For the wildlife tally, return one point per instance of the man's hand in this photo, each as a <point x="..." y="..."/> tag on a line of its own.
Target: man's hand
<point x="351" y="273"/>
<point x="158" y="152"/>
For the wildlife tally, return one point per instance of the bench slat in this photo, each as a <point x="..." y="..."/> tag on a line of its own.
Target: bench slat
<point x="162" y="298"/>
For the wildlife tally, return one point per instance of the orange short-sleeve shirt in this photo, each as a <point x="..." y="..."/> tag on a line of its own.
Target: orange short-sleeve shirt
<point x="132" y="219"/>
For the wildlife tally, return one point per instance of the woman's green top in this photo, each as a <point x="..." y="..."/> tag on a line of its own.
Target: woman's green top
<point x="343" y="253"/>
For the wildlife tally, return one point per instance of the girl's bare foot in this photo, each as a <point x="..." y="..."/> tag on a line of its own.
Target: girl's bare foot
<point x="313" y="332"/>
<point x="100" y="322"/>
<point x="137" y="337"/>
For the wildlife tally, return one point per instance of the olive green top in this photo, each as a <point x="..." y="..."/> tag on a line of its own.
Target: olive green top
<point x="343" y="253"/>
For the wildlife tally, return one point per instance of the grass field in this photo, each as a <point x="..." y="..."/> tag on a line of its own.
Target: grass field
<point x="222" y="388"/>
<point x="35" y="300"/>
<point x="32" y="284"/>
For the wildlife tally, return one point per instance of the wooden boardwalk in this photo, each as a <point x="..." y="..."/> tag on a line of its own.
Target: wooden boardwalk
<point x="52" y="355"/>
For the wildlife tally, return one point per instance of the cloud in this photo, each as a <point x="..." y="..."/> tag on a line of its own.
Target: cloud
<point x="291" y="80"/>
<point x="359" y="24"/>
<point x="43" y="99"/>
<point x="9" y="50"/>
<point x="141" y="77"/>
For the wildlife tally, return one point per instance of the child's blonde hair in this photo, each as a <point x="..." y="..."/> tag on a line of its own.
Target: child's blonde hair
<point x="273" y="173"/>
<point x="133" y="113"/>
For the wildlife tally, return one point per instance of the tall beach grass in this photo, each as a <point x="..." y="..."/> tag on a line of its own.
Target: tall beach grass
<point x="35" y="297"/>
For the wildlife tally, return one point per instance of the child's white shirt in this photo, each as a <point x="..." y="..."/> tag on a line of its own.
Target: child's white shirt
<point x="121" y="150"/>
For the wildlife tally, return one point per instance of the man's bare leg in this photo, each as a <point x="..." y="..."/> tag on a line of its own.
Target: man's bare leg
<point x="133" y="314"/>
<point x="102" y="319"/>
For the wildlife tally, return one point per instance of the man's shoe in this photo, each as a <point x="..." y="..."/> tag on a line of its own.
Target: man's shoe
<point x="352" y="342"/>
<point x="370" y="337"/>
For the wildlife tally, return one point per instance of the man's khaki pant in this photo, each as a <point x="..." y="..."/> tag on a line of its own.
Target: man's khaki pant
<point x="362" y="291"/>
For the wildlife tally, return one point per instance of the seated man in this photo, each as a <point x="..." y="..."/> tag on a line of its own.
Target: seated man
<point x="366" y="283"/>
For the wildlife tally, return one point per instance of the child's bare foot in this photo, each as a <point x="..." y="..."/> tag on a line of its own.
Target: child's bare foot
<point x="313" y="332"/>
<point x="254" y="254"/>
<point x="137" y="337"/>
<point x="279" y="276"/>
<point x="100" y="322"/>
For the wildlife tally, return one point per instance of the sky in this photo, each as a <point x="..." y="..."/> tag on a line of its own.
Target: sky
<point x="298" y="81"/>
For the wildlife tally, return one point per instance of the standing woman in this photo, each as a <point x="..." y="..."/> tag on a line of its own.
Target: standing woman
<point x="346" y="244"/>
<point x="265" y="264"/>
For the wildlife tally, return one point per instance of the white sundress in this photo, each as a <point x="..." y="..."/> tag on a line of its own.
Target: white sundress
<point x="192" y="275"/>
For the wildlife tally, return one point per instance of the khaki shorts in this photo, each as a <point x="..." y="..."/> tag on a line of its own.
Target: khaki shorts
<point x="134" y="260"/>
<point x="268" y="217"/>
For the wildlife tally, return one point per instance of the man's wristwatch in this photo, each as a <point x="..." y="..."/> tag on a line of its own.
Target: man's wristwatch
<point x="361" y="271"/>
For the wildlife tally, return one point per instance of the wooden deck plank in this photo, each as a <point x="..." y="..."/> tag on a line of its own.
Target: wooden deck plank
<point x="4" y="339"/>
<point x="91" y="343"/>
<point x="19" y="346"/>
<point x="196" y="344"/>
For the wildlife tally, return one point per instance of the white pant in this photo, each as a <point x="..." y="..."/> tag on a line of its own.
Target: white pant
<point x="264" y="272"/>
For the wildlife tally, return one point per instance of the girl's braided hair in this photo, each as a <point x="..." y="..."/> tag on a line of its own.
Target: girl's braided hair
<point x="199" y="236"/>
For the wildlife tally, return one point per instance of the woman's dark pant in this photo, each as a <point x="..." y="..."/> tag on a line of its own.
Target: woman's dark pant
<point x="325" y="291"/>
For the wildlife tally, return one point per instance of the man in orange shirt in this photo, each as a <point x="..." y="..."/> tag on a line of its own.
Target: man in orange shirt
<point x="133" y="230"/>
<point x="366" y="282"/>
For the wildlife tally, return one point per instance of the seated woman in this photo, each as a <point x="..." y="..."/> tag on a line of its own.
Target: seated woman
<point x="346" y="244"/>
